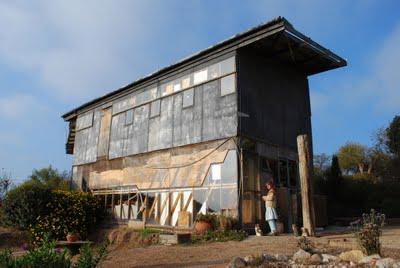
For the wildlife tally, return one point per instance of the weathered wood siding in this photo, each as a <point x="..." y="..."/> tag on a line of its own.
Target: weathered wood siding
<point x="275" y="97"/>
<point x="196" y="114"/>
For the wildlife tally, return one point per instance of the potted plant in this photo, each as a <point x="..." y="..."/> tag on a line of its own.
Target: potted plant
<point x="72" y="237"/>
<point x="204" y="223"/>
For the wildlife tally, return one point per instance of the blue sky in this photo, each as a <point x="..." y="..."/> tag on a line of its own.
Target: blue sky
<point x="55" y="55"/>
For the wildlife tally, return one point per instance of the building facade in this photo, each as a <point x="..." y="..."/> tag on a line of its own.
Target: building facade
<point x="205" y="134"/>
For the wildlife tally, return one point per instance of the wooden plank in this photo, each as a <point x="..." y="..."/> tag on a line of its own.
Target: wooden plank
<point x="171" y="212"/>
<point x="162" y="208"/>
<point x="156" y="200"/>
<point x="120" y="206"/>
<point x="188" y="202"/>
<point x="305" y="183"/>
<point x="112" y="205"/>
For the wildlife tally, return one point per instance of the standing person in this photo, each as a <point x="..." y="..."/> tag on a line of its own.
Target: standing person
<point x="271" y="216"/>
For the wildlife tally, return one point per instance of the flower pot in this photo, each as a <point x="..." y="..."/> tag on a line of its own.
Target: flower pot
<point x="202" y="226"/>
<point x="72" y="237"/>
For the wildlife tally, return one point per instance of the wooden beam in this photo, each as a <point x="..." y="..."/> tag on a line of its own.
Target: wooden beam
<point x="174" y="206"/>
<point x="162" y="208"/>
<point x="120" y="206"/>
<point x="187" y="202"/>
<point x="156" y="200"/>
<point x="112" y="205"/>
<point x="303" y="147"/>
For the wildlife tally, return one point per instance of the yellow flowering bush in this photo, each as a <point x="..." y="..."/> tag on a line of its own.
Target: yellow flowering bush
<point x="68" y="212"/>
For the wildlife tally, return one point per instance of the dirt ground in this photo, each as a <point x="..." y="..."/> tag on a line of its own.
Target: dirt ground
<point x="218" y="254"/>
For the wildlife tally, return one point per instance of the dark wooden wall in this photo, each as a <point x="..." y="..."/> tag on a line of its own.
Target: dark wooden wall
<point x="274" y="96"/>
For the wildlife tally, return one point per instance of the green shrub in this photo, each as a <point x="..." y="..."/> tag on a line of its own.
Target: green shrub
<point x="45" y="256"/>
<point x="87" y="259"/>
<point x="75" y="212"/>
<point x="368" y="232"/>
<point x="23" y="204"/>
<point x="6" y="259"/>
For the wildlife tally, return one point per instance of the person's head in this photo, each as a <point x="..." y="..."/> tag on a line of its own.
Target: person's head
<point x="269" y="185"/>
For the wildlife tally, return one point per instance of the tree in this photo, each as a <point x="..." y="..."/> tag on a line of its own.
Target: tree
<point x="5" y="183"/>
<point x="321" y="163"/>
<point x="393" y="136"/>
<point x="353" y="158"/>
<point x="51" y="178"/>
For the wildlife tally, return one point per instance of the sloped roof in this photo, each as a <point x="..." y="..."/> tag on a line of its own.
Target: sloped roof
<point x="314" y="57"/>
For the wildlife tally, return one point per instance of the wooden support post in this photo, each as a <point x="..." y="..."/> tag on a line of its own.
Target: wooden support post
<point x="305" y="165"/>
<point x="120" y="208"/>
<point x="129" y="205"/>
<point x="112" y="205"/>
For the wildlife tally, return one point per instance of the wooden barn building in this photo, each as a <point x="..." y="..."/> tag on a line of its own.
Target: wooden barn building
<point x="205" y="134"/>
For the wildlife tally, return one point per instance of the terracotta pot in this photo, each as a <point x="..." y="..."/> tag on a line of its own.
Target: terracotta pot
<point x="72" y="237"/>
<point x="202" y="226"/>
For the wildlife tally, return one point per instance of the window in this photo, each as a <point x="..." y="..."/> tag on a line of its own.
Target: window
<point x="188" y="98"/>
<point x="84" y="121"/>
<point x="167" y="89"/>
<point x="213" y="71"/>
<point x="177" y="87"/>
<point x="129" y="117"/>
<point x="227" y="66"/>
<point x="155" y="108"/>
<point x="186" y="82"/>
<point x="200" y="76"/>
<point x="227" y="85"/>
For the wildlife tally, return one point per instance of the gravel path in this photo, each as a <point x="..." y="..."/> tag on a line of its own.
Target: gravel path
<point x="218" y="254"/>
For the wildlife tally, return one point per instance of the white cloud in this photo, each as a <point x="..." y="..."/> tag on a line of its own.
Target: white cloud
<point x="19" y="106"/>
<point x="77" y="49"/>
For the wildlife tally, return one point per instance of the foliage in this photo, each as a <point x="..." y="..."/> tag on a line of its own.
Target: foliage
<point x="48" y="256"/>
<point x="5" y="183"/>
<point x="353" y="157"/>
<point x="210" y="218"/>
<point x="51" y="178"/>
<point x="6" y="259"/>
<point x="227" y="222"/>
<point x="393" y="136"/>
<point x="368" y="232"/>
<point x="305" y="244"/>
<point x="220" y="236"/>
<point x="41" y="257"/>
<point x="74" y="212"/>
<point x="23" y="204"/>
<point x="87" y="259"/>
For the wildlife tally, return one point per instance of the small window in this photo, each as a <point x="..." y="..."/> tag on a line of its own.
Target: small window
<point x="185" y="82"/>
<point x="227" y="66"/>
<point x="213" y="71"/>
<point x="177" y="87"/>
<point x="166" y="89"/>
<point x="188" y="98"/>
<point x="155" y="108"/>
<point x="200" y="76"/>
<point x="227" y="85"/>
<point x="129" y="117"/>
